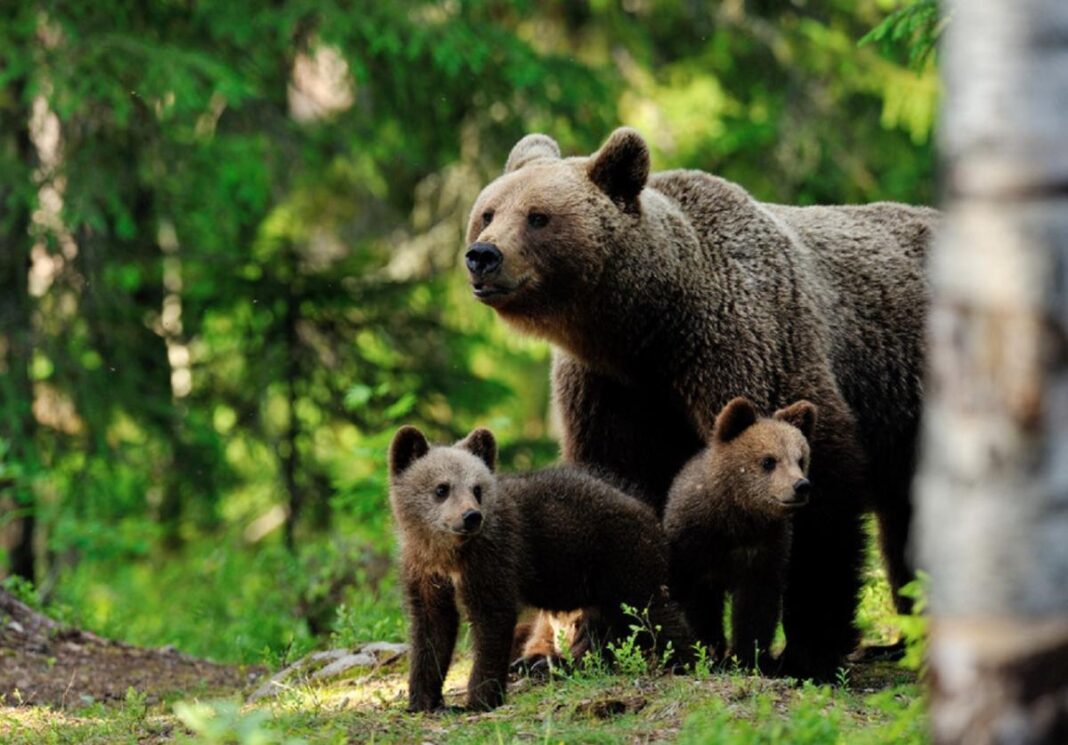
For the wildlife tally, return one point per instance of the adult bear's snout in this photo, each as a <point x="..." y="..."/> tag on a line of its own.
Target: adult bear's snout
<point x="483" y="258"/>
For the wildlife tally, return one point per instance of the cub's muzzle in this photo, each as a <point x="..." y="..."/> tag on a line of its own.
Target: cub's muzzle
<point x="472" y="521"/>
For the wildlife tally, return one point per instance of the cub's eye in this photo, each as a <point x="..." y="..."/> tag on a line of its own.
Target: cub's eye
<point x="441" y="491"/>
<point x="537" y="219"/>
<point x="768" y="464"/>
<point x="477" y="491"/>
<point x="487" y="217"/>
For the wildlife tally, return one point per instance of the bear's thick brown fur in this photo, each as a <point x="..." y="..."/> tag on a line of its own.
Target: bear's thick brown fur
<point x="558" y="539"/>
<point x="667" y="295"/>
<point x="728" y="520"/>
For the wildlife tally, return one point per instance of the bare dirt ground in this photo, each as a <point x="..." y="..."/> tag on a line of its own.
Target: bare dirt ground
<point x="44" y="662"/>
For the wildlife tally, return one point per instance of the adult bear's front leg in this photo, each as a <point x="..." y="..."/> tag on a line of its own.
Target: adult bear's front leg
<point x="637" y="433"/>
<point x="827" y="554"/>
<point x="622" y="430"/>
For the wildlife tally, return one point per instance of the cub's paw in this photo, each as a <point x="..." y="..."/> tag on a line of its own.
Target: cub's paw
<point x="878" y="652"/>
<point x="534" y="666"/>
<point x="807" y="666"/>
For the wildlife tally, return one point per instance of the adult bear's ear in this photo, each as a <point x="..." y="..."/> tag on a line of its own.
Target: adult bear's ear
<point x="531" y="148"/>
<point x="621" y="167"/>
<point x="482" y="443"/>
<point x="801" y="414"/>
<point x="737" y="416"/>
<point x="408" y="446"/>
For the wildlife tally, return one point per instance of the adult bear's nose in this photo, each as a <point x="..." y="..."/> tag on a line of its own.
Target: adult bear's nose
<point x="483" y="258"/>
<point x="802" y="488"/>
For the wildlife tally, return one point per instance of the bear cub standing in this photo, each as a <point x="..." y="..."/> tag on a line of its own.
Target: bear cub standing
<point x="728" y="522"/>
<point x="558" y="539"/>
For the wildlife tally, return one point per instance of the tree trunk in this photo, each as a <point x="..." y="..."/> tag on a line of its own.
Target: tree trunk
<point x="17" y="423"/>
<point x="289" y="452"/>
<point x="993" y="488"/>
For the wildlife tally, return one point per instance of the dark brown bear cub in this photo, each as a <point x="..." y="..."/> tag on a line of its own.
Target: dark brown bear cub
<point x="728" y="521"/>
<point x="557" y="539"/>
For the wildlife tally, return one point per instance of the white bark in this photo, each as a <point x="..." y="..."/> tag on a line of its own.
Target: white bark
<point x="992" y="519"/>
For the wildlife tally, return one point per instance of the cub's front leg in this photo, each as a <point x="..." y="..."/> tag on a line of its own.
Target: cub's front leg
<point x="434" y="621"/>
<point x="698" y="583"/>
<point x="756" y="606"/>
<point x="493" y="612"/>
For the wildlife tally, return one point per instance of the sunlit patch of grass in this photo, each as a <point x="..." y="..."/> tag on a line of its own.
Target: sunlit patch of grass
<point x="126" y="722"/>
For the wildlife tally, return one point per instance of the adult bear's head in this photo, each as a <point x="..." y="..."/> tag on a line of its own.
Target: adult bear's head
<point x="539" y="236"/>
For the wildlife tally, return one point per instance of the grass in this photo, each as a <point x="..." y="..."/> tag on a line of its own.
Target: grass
<point x="583" y="708"/>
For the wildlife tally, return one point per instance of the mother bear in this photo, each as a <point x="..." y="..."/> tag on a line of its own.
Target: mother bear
<point x="667" y="295"/>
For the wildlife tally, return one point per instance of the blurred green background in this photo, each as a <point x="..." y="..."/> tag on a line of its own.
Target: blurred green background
<point x="229" y="264"/>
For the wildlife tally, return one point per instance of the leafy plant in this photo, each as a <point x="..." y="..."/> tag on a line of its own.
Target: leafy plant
<point x="223" y="723"/>
<point x="703" y="663"/>
<point x="914" y="28"/>
<point x="914" y="626"/>
<point x="632" y="653"/>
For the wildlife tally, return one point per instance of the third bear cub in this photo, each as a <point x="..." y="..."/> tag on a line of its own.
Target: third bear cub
<point x="557" y="539"/>
<point x="728" y="522"/>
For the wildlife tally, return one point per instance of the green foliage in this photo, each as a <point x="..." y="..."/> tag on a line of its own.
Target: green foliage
<point x="220" y="602"/>
<point x="370" y="617"/>
<point x="817" y="717"/>
<point x="223" y="723"/>
<point x="914" y="626"/>
<point x="23" y="590"/>
<point x="703" y="663"/>
<point x="811" y="722"/>
<point x="914" y="28"/>
<point x="134" y="709"/>
<point x="631" y="653"/>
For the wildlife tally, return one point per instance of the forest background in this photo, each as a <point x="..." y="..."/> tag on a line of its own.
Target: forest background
<point x="229" y="264"/>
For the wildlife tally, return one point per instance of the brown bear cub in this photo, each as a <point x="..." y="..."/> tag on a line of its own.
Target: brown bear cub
<point x="728" y="521"/>
<point x="558" y="539"/>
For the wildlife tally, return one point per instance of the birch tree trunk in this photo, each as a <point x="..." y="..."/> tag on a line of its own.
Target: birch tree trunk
<point x="992" y="522"/>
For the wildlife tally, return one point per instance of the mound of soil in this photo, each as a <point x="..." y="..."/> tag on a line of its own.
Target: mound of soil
<point x="44" y="662"/>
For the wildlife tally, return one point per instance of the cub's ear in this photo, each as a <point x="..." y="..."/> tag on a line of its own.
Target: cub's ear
<point x="737" y="416"/>
<point x="531" y="148"/>
<point x="621" y="167"/>
<point x="482" y="443"/>
<point x="408" y="446"/>
<point x="801" y="414"/>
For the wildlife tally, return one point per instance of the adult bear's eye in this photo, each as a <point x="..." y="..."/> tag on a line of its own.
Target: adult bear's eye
<point x="768" y="464"/>
<point x="441" y="491"/>
<point x="487" y="217"/>
<point x="477" y="491"/>
<point x="537" y="219"/>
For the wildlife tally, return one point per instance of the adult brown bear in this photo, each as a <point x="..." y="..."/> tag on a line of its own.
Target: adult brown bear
<point x="668" y="295"/>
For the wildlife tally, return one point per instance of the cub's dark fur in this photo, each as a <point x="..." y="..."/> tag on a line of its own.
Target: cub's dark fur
<point x="557" y="539"/>
<point x="728" y="520"/>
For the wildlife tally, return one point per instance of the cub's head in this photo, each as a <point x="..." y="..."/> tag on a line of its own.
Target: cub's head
<point x="765" y="460"/>
<point x="538" y="236"/>
<point x="441" y="494"/>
